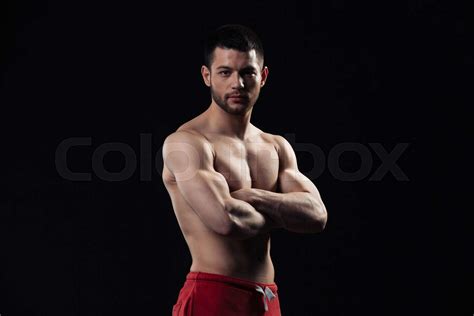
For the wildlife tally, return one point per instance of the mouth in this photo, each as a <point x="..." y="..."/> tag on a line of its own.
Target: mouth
<point x="237" y="97"/>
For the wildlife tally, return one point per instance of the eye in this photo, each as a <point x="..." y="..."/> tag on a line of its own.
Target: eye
<point x="250" y="73"/>
<point x="224" y="72"/>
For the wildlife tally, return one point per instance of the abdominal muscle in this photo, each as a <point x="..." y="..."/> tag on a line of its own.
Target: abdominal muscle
<point x="233" y="258"/>
<point x="213" y="253"/>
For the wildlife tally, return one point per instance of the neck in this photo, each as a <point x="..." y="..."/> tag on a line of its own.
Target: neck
<point x="228" y="124"/>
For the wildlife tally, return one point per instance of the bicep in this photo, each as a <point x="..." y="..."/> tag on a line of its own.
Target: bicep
<point x="204" y="189"/>
<point x="207" y="194"/>
<point x="290" y="179"/>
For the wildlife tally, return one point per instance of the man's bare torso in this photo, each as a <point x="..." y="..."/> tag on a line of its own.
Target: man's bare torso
<point x="249" y="163"/>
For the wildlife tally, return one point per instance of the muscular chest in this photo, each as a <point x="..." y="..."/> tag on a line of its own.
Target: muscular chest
<point x="247" y="164"/>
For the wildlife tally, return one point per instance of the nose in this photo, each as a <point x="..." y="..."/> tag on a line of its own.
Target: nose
<point x="237" y="81"/>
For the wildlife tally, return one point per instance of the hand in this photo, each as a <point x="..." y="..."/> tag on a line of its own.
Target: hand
<point x="251" y="196"/>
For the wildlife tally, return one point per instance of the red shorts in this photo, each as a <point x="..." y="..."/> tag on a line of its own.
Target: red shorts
<point x="208" y="294"/>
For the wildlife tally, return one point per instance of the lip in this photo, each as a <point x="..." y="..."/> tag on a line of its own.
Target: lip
<point x="237" y="97"/>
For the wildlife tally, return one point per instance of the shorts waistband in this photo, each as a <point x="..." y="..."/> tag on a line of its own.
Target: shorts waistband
<point x="195" y="275"/>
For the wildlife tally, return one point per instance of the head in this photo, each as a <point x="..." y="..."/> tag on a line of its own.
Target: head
<point x="234" y="68"/>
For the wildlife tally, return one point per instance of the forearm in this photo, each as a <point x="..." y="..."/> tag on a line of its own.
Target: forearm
<point x="246" y="221"/>
<point x="296" y="211"/>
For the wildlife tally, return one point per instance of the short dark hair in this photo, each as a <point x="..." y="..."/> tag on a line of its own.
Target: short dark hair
<point x="232" y="36"/>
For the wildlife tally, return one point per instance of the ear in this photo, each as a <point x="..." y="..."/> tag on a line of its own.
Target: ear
<point x="206" y="75"/>
<point x="264" y="76"/>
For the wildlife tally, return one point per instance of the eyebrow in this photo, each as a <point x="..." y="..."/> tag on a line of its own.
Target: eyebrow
<point x="246" y="68"/>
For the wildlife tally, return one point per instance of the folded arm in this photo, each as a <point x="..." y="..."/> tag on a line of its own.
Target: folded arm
<point x="297" y="206"/>
<point x="190" y="158"/>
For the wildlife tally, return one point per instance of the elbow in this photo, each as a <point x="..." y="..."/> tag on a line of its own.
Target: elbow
<point x="237" y="229"/>
<point x="232" y="230"/>
<point x="229" y="226"/>
<point x="320" y="218"/>
<point x="321" y="222"/>
<point x="226" y="228"/>
<point x="224" y="225"/>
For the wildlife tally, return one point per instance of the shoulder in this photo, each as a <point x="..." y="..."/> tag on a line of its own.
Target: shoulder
<point x="285" y="151"/>
<point x="184" y="134"/>
<point x="280" y="143"/>
<point x="265" y="136"/>
<point x="187" y="138"/>
<point x="187" y="147"/>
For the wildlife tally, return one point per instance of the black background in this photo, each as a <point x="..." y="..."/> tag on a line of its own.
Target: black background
<point x="340" y="71"/>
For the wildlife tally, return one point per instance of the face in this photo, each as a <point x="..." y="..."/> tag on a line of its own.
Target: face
<point x="235" y="79"/>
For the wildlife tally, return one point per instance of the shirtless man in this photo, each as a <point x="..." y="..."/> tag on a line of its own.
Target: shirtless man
<point x="230" y="184"/>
